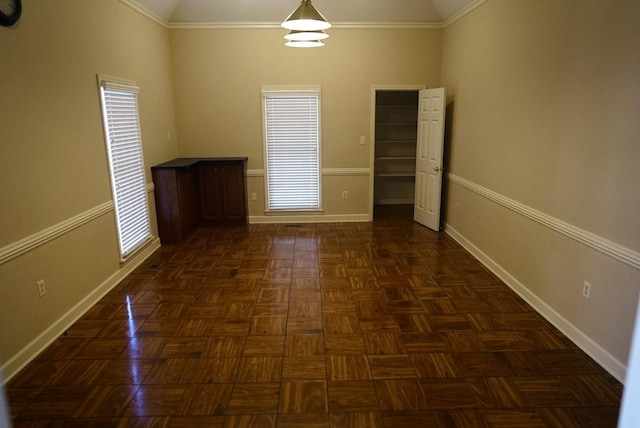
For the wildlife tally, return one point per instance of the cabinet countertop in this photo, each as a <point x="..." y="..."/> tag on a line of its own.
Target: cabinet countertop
<point x="186" y="162"/>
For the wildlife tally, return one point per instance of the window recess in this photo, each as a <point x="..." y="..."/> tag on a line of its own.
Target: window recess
<point x="291" y="122"/>
<point x="119" y="102"/>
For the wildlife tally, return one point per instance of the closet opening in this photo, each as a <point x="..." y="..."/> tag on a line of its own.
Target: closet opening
<point x="395" y="141"/>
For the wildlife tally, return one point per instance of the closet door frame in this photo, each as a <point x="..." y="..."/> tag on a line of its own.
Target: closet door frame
<point x="372" y="133"/>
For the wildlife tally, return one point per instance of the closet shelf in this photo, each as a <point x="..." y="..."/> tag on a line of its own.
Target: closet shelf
<point x="393" y="140"/>
<point x="395" y="136"/>
<point x="395" y="174"/>
<point x="412" y="124"/>
<point x="395" y="157"/>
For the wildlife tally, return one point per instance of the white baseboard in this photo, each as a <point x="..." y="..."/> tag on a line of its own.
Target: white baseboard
<point x="37" y="345"/>
<point x="598" y="243"/>
<point x="616" y="368"/>
<point x="314" y="218"/>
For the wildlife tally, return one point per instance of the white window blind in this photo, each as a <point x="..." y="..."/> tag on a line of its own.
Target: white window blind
<point x="292" y="145"/>
<point x="124" y="147"/>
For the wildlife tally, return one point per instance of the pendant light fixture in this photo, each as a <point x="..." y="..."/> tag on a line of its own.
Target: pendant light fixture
<point x="306" y="35"/>
<point x="304" y="43"/>
<point x="306" y="18"/>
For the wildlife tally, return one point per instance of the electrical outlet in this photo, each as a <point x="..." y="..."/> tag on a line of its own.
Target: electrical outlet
<point x="362" y="140"/>
<point x="42" y="287"/>
<point x="345" y="195"/>
<point x="586" y="290"/>
<point x="457" y="206"/>
<point x="254" y="196"/>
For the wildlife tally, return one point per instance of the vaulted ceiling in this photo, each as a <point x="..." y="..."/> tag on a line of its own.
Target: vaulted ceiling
<point x="274" y="11"/>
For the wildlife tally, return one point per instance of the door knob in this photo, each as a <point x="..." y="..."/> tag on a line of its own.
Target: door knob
<point x="436" y="169"/>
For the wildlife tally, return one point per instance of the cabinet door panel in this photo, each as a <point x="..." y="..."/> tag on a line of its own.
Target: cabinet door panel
<point x="167" y="206"/>
<point x="188" y="199"/>
<point x="211" y="193"/>
<point x="234" y="194"/>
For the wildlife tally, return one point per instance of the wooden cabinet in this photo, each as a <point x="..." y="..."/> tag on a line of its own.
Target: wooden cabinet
<point x="223" y="192"/>
<point x="194" y="191"/>
<point x="188" y="199"/>
<point x="211" y="192"/>
<point x="176" y="196"/>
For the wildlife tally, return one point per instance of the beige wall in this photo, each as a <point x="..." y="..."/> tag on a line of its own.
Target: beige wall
<point x="544" y="98"/>
<point x="219" y="73"/>
<point x="53" y="163"/>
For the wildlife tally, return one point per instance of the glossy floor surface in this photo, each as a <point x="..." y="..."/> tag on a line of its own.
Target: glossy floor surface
<point x="382" y="324"/>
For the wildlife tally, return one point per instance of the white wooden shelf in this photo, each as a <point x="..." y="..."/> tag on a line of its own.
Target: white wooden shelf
<point x="395" y="157"/>
<point x="395" y="174"/>
<point x="411" y="124"/>
<point x="393" y="141"/>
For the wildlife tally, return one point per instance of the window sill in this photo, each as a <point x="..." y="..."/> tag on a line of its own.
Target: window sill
<point x="141" y="246"/>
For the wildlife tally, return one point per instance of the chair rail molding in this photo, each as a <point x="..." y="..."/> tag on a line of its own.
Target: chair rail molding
<point x="31" y="242"/>
<point x="598" y="243"/>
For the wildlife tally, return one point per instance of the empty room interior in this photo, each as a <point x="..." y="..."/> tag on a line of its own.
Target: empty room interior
<point x="498" y="288"/>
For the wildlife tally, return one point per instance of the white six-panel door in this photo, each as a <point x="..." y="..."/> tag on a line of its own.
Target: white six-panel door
<point x="431" y="107"/>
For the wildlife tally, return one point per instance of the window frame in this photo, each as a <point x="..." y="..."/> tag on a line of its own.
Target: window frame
<point x="275" y="91"/>
<point x="141" y="220"/>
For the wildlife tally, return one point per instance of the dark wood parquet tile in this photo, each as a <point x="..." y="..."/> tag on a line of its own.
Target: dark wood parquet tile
<point x="344" y="325"/>
<point x="352" y="396"/>
<point x="300" y="397"/>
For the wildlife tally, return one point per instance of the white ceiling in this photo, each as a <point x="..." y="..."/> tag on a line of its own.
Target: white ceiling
<point x="275" y="11"/>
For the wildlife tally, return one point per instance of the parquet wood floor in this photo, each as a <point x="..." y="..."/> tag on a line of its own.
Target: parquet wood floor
<point x="382" y="324"/>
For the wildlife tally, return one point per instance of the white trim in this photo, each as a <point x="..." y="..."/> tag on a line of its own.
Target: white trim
<point x="595" y="351"/>
<point x="257" y="25"/>
<point x="333" y="218"/>
<point x="112" y="82"/>
<point x="291" y="89"/>
<point x="255" y="173"/>
<point x="389" y="25"/>
<point x="276" y="25"/>
<point x="464" y="12"/>
<point x="44" y="339"/>
<point x="146" y="12"/>
<point x="598" y="243"/>
<point x="31" y="242"/>
<point x="222" y="25"/>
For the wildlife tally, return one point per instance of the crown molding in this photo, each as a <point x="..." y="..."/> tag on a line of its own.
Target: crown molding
<point x="464" y="12"/>
<point x="276" y="25"/>
<point x="145" y="12"/>
<point x="261" y="25"/>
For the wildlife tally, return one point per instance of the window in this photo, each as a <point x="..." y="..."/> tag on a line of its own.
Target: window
<point x="292" y="147"/>
<point x="124" y="148"/>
